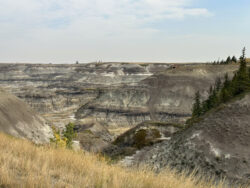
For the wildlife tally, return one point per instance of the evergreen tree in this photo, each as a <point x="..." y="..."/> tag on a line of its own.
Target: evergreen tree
<point x="225" y="95"/>
<point x="69" y="134"/>
<point x="204" y="107"/>
<point x="207" y="104"/>
<point x="197" y="105"/>
<point x="214" y="99"/>
<point x="233" y="87"/>
<point x="228" y="60"/>
<point x="242" y="75"/>
<point x="222" y="62"/>
<point x="218" y="84"/>
<point x="226" y="81"/>
<point x="223" y="92"/>
<point x="234" y="59"/>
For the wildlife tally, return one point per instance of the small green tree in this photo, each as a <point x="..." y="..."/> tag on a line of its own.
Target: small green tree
<point x="218" y="84"/>
<point x="214" y="99"/>
<point x="197" y="111"/>
<point x="226" y="90"/>
<point x="226" y="81"/>
<point x="69" y="134"/>
<point x="225" y="95"/>
<point x="222" y="62"/>
<point x="209" y="101"/>
<point x="228" y="60"/>
<point x="234" y="59"/>
<point x="242" y="75"/>
<point x="57" y="140"/>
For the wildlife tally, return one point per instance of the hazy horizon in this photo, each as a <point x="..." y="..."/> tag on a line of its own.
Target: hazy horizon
<point x="164" y="31"/>
<point x="135" y="62"/>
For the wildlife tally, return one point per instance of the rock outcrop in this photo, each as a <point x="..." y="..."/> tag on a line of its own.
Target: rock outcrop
<point x="19" y="120"/>
<point x="143" y="135"/>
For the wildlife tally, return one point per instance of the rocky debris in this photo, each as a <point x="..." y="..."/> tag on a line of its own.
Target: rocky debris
<point x="19" y="120"/>
<point x="143" y="135"/>
<point x="218" y="145"/>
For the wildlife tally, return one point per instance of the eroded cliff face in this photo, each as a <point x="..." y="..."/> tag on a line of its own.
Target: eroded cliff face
<point x="166" y="96"/>
<point x="113" y="94"/>
<point x="58" y="91"/>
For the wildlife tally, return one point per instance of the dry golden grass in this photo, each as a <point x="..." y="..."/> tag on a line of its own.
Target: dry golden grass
<point x="22" y="164"/>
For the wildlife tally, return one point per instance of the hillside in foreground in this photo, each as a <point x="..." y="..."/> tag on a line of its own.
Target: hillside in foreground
<point x="23" y="164"/>
<point x="19" y="120"/>
<point x="217" y="144"/>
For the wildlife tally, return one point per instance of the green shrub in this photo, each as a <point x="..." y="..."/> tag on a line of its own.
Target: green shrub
<point x="65" y="139"/>
<point x="144" y="137"/>
<point x="69" y="134"/>
<point x="57" y="140"/>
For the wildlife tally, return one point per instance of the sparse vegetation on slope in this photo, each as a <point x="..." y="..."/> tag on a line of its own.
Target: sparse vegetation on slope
<point x="217" y="144"/>
<point x="64" y="139"/>
<point x="223" y="92"/>
<point x="22" y="164"/>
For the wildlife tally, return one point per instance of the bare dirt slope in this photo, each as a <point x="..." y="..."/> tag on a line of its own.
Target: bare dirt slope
<point x="217" y="145"/>
<point x="17" y="119"/>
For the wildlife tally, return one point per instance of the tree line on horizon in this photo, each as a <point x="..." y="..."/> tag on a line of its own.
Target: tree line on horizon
<point x="222" y="92"/>
<point x="229" y="60"/>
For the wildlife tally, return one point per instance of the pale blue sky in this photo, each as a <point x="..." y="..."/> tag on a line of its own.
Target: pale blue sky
<point x="63" y="31"/>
